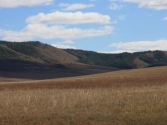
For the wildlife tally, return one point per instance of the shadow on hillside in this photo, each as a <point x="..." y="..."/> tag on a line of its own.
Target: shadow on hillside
<point x="36" y="71"/>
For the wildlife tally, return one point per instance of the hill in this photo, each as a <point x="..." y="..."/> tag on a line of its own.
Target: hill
<point x="121" y="60"/>
<point x="34" y="51"/>
<point x="34" y="55"/>
<point x="35" y="60"/>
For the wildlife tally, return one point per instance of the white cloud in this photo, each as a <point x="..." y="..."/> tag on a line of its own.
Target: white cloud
<point x="64" y="45"/>
<point x="121" y="17"/>
<point x="76" y="6"/>
<point x="152" y="4"/>
<point x="16" y="3"/>
<point x="114" y="6"/>
<point x="165" y="18"/>
<point x="116" y="51"/>
<point x="39" y="27"/>
<point x="69" y="18"/>
<point x="140" y="45"/>
<point x="32" y="31"/>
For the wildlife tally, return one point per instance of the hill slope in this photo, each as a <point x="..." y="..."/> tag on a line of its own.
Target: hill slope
<point x="35" y="55"/>
<point x="34" y="51"/>
<point x="35" y="60"/>
<point x="122" y="60"/>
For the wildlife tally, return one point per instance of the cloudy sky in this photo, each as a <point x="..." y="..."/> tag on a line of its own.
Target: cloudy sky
<point x="99" y="25"/>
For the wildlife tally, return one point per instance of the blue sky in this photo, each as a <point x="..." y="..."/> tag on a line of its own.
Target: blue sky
<point x="109" y="26"/>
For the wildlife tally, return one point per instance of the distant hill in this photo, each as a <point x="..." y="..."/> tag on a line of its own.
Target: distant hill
<point x="34" y="55"/>
<point x="35" y="60"/>
<point x="122" y="60"/>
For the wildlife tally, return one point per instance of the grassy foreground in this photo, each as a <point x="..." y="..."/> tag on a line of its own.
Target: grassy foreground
<point x="129" y="97"/>
<point x="94" y="106"/>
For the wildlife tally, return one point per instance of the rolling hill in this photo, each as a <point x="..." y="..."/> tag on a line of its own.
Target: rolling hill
<point x="33" y="55"/>
<point x="122" y="60"/>
<point x="34" y="51"/>
<point x="35" y="60"/>
<point x="36" y="56"/>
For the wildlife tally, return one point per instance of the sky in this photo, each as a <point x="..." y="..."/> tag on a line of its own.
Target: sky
<point x="107" y="26"/>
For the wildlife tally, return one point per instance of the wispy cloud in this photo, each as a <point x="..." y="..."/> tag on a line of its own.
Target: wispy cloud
<point x="115" y="51"/>
<point x="152" y="4"/>
<point x="76" y="6"/>
<point x="140" y="46"/>
<point x="32" y="31"/>
<point x="121" y="17"/>
<point x="165" y="18"/>
<point x="114" y="6"/>
<point x="69" y="18"/>
<point x="64" y="45"/>
<point x="17" y="3"/>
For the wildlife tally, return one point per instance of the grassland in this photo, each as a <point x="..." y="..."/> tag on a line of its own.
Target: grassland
<point x="128" y="97"/>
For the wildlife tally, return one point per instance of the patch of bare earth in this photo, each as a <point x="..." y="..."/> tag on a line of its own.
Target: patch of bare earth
<point x="139" y="63"/>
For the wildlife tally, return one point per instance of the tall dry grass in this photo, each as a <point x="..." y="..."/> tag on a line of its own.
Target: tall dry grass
<point x="88" y="106"/>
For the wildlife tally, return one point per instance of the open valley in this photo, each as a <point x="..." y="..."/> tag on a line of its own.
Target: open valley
<point x="90" y="62"/>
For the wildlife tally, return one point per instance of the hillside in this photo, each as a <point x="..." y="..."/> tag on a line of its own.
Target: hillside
<point x="35" y="60"/>
<point x="122" y="60"/>
<point x="34" y="51"/>
<point x="34" y="55"/>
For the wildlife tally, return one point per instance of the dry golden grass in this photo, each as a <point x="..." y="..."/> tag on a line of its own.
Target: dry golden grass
<point x="129" y="97"/>
<point x="95" y="106"/>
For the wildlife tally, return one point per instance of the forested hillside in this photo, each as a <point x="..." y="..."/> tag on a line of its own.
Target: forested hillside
<point x="122" y="60"/>
<point x="5" y="53"/>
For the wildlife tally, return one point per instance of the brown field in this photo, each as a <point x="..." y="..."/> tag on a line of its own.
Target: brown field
<point x="127" y="97"/>
<point x="126" y="78"/>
